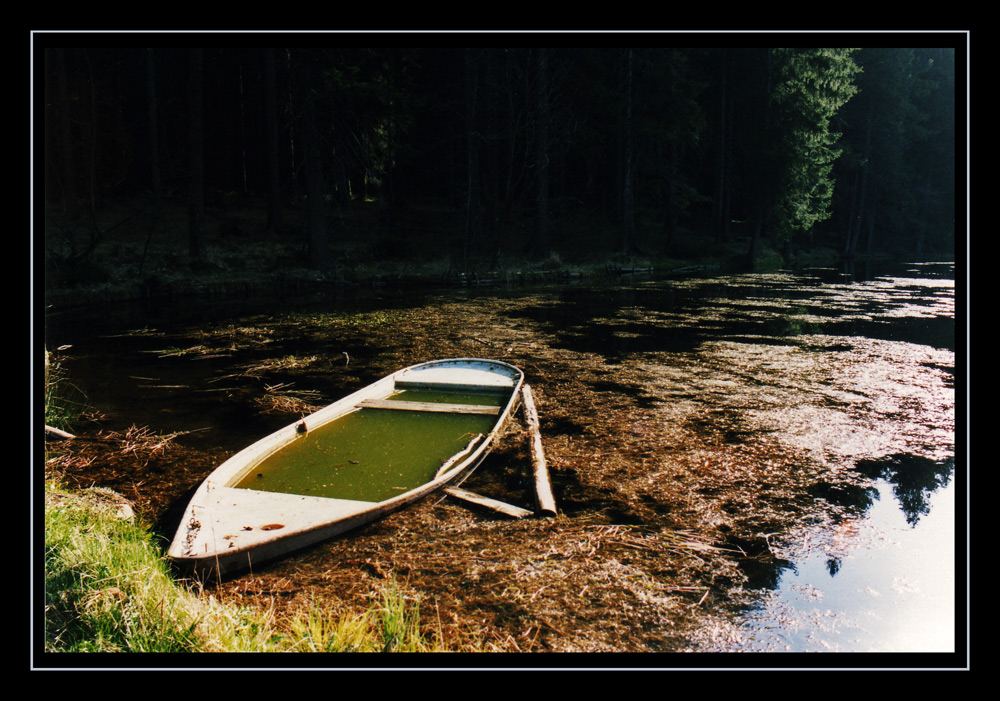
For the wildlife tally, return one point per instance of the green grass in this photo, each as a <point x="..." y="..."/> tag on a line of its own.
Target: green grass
<point x="108" y="588"/>
<point x="392" y="624"/>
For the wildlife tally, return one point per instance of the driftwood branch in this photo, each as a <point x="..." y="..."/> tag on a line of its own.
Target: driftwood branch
<point x="59" y="433"/>
<point x="480" y="500"/>
<point x="543" y="488"/>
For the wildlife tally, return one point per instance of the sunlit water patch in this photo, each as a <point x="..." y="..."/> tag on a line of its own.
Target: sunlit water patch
<point x="878" y="583"/>
<point x="844" y="400"/>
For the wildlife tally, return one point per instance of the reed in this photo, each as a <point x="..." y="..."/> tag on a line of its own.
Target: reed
<point x="280" y="399"/>
<point x="391" y="624"/>
<point x="64" y="405"/>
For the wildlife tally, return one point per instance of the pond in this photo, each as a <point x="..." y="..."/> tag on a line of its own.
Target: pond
<point x="743" y="463"/>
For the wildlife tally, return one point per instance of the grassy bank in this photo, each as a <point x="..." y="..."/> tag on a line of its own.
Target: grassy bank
<point x="109" y="589"/>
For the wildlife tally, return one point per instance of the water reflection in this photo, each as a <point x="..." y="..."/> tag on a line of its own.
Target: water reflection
<point x="914" y="479"/>
<point x="678" y="316"/>
<point x="861" y="377"/>
<point x="881" y="585"/>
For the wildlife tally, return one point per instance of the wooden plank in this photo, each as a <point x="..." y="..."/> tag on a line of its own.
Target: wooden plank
<point x="543" y="488"/>
<point x="480" y="500"/>
<point x="429" y="406"/>
<point x="452" y="386"/>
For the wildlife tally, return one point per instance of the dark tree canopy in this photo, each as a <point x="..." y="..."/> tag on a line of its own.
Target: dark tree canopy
<point x="518" y="151"/>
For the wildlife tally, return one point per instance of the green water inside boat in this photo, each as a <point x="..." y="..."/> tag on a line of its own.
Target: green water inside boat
<point x="373" y="454"/>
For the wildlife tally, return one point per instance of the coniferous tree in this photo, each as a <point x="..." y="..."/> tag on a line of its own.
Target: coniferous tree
<point x="875" y="138"/>
<point x="898" y="165"/>
<point x="632" y="142"/>
<point x="932" y="158"/>
<point x="669" y="122"/>
<point x="810" y="87"/>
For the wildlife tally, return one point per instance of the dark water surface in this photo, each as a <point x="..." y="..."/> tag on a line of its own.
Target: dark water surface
<point x="853" y="376"/>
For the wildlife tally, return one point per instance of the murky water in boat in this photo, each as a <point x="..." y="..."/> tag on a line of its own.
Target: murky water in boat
<point x="806" y="420"/>
<point x="368" y="455"/>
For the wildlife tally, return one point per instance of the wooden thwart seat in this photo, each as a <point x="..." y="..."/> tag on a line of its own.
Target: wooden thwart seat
<point x="452" y="386"/>
<point x="429" y="406"/>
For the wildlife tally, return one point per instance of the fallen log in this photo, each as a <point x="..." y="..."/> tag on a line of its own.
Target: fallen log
<point x="480" y="500"/>
<point x="543" y="488"/>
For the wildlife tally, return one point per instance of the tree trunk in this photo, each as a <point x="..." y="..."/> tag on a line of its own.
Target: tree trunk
<point x="628" y="194"/>
<point x="727" y="202"/>
<point x="154" y="139"/>
<point x="854" y="233"/>
<point x="720" y="191"/>
<point x="196" y="182"/>
<point x="67" y="162"/>
<point x="275" y="211"/>
<point x="755" y="244"/>
<point x="312" y="166"/>
<point x="870" y="239"/>
<point x="154" y="153"/>
<point x="471" y="158"/>
<point x="673" y="184"/>
<point x="542" y="157"/>
<point x="491" y="186"/>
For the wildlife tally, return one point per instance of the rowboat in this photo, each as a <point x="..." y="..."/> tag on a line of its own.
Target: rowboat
<point x="371" y="453"/>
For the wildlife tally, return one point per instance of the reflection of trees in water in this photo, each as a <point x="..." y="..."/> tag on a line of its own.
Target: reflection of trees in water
<point x="858" y="499"/>
<point x="763" y="569"/>
<point x="913" y="478"/>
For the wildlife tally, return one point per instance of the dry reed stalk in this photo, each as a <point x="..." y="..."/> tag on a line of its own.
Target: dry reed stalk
<point x="279" y="399"/>
<point x="680" y="542"/>
<point x="176" y="352"/>
<point x="258" y="370"/>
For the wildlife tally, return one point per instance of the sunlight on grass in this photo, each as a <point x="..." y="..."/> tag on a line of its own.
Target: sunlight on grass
<point x="108" y="589"/>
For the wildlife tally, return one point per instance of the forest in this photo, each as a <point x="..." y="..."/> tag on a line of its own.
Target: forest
<point x="484" y="155"/>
